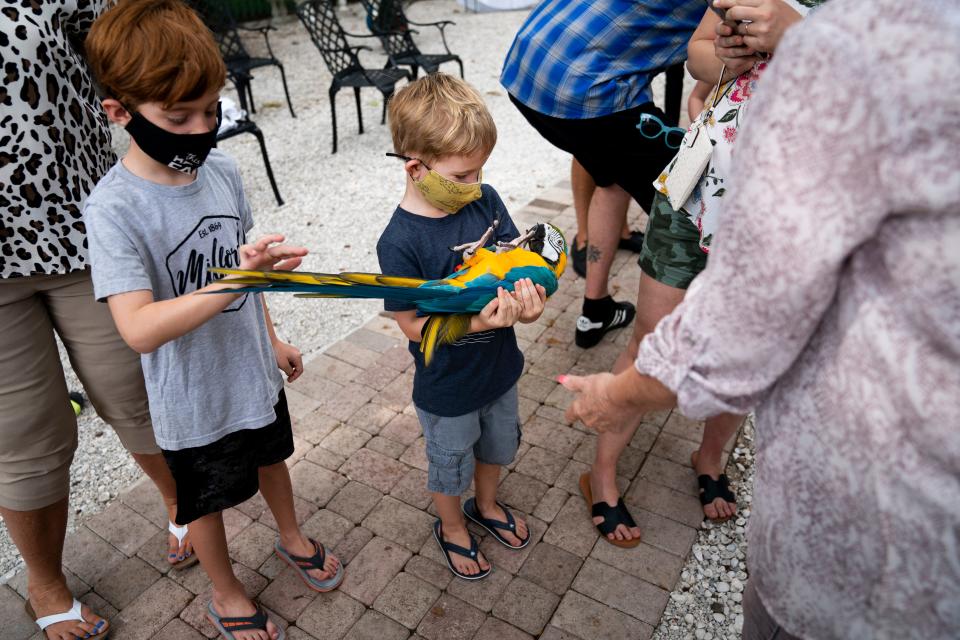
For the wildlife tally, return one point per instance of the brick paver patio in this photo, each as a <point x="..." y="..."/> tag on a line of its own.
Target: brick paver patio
<point x="359" y="475"/>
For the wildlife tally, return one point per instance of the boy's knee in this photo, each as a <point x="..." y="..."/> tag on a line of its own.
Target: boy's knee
<point x="449" y="472"/>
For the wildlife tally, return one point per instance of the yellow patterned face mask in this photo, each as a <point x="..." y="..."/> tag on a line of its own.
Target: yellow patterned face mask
<point x="443" y="193"/>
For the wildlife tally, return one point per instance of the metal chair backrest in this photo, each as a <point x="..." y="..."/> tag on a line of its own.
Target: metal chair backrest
<point x="320" y="20"/>
<point x="218" y="18"/>
<point x="388" y="22"/>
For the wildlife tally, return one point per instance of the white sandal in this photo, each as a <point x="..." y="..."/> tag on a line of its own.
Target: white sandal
<point x="101" y="629"/>
<point x="180" y="533"/>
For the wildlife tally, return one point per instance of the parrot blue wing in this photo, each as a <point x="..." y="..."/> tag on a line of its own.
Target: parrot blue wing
<point x="539" y="275"/>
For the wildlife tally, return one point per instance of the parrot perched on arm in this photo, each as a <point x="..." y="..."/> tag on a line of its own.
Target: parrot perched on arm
<point x="539" y="254"/>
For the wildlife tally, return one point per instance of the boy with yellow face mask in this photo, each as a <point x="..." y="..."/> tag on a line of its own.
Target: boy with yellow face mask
<point x="466" y="399"/>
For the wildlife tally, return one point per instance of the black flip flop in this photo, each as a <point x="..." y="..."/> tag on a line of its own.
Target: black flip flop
<point x="448" y="548"/>
<point x="711" y="489"/>
<point x="470" y="510"/>
<point x="302" y="564"/>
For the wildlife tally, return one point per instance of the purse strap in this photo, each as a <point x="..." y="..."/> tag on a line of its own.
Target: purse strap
<point x="706" y="113"/>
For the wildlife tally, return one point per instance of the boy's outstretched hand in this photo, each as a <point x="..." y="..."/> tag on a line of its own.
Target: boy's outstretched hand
<point x="532" y="299"/>
<point x="266" y="254"/>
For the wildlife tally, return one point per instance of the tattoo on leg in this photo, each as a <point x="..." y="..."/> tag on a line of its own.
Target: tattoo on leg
<point x="593" y="253"/>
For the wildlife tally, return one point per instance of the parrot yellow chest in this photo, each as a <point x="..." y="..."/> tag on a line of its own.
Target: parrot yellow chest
<point x="496" y="264"/>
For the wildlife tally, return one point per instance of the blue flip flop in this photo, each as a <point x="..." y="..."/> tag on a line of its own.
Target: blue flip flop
<point x="305" y="563"/>
<point x="493" y="526"/>
<point x="449" y="547"/>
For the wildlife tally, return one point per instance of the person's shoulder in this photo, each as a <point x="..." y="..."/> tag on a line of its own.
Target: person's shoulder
<point x="222" y="163"/>
<point x="396" y="234"/>
<point x="109" y="194"/>
<point x="490" y="198"/>
<point x="492" y="204"/>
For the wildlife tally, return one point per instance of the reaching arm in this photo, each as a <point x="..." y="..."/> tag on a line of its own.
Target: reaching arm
<point x="146" y="325"/>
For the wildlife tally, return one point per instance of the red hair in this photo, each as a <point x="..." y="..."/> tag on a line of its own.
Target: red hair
<point x="154" y="51"/>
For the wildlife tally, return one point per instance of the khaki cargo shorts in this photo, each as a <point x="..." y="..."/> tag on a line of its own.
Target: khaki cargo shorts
<point x="38" y="429"/>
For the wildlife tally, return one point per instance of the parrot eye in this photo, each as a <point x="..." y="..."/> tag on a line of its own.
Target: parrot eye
<point x="548" y="242"/>
<point x="556" y="243"/>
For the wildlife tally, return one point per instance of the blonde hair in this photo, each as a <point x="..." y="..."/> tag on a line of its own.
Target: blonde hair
<point x="440" y="115"/>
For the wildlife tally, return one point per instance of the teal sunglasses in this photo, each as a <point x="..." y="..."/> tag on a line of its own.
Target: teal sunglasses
<point x="652" y="127"/>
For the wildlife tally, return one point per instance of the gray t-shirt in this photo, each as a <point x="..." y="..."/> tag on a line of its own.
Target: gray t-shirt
<point x="221" y="377"/>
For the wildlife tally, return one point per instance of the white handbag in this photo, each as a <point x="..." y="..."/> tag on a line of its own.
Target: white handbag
<point x="693" y="156"/>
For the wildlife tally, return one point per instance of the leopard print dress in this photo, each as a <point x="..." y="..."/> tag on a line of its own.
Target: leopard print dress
<point x="54" y="139"/>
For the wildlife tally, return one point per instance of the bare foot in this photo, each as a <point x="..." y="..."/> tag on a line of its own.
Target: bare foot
<point x="495" y="512"/>
<point x="461" y="537"/>
<point x="57" y="599"/>
<point x="301" y="546"/>
<point x="603" y="486"/>
<point x="239" y="606"/>
<point x="719" y="509"/>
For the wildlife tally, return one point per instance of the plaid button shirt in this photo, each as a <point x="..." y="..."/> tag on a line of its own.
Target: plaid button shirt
<point x="585" y="59"/>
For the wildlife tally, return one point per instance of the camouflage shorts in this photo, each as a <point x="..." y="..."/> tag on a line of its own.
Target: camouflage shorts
<point x="671" y="246"/>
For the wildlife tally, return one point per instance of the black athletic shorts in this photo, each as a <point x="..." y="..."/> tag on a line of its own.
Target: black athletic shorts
<point x="224" y="473"/>
<point x="610" y="147"/>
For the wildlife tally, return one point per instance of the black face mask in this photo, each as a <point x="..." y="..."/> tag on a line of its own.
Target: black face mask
<point x="184" y="152"/>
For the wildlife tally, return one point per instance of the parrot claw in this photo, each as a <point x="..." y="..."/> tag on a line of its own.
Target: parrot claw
<point x="520" y="241"/>
<point x="471" y="248"/>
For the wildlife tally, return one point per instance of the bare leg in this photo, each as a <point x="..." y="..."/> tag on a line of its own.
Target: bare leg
<point x="156" y="469"/>
<point x="486" y="478"/>
<point x="583" y="187"/>
<point x="655" y="300"/>
<point x="708" y="459"/>
<point x="39" y="536"/>
<point x="608" y="210"/>
<point x="229" y="597"/>
<point x="278" y="492"/>
<point x="455" y="531"/>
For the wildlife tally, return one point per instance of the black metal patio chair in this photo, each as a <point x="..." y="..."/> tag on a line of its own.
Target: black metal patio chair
<point x="219" y="19"/>
<point x="320" y="19"/>
<point x="387" y="21"/>
<point x="249" y="126"/>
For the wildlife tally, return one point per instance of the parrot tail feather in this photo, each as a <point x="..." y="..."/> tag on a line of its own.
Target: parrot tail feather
<point x="442" y="330"/>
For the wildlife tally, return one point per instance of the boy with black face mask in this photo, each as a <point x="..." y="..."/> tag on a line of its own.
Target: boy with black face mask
<point x="170" y="210"/>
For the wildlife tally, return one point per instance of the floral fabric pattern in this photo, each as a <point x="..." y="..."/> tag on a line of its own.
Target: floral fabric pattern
<point x="831" y="305"/>
<point x="732" y="101"/>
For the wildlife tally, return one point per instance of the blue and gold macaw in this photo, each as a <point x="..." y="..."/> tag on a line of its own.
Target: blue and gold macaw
<point x="539" y="254"/>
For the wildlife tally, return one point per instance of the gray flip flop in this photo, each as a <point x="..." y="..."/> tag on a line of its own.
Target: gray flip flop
<point x="304" y="563"/>
<point x="256" y="622"/>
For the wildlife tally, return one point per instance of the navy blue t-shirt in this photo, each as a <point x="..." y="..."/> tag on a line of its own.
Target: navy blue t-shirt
<point x="481" y="367"/>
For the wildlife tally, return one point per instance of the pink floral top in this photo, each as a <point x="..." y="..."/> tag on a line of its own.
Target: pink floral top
<point x="732" y="101"/>
<point x="831" y="306"/>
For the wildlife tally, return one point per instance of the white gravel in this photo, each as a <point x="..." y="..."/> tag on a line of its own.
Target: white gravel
<point x="707" y="603"/>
